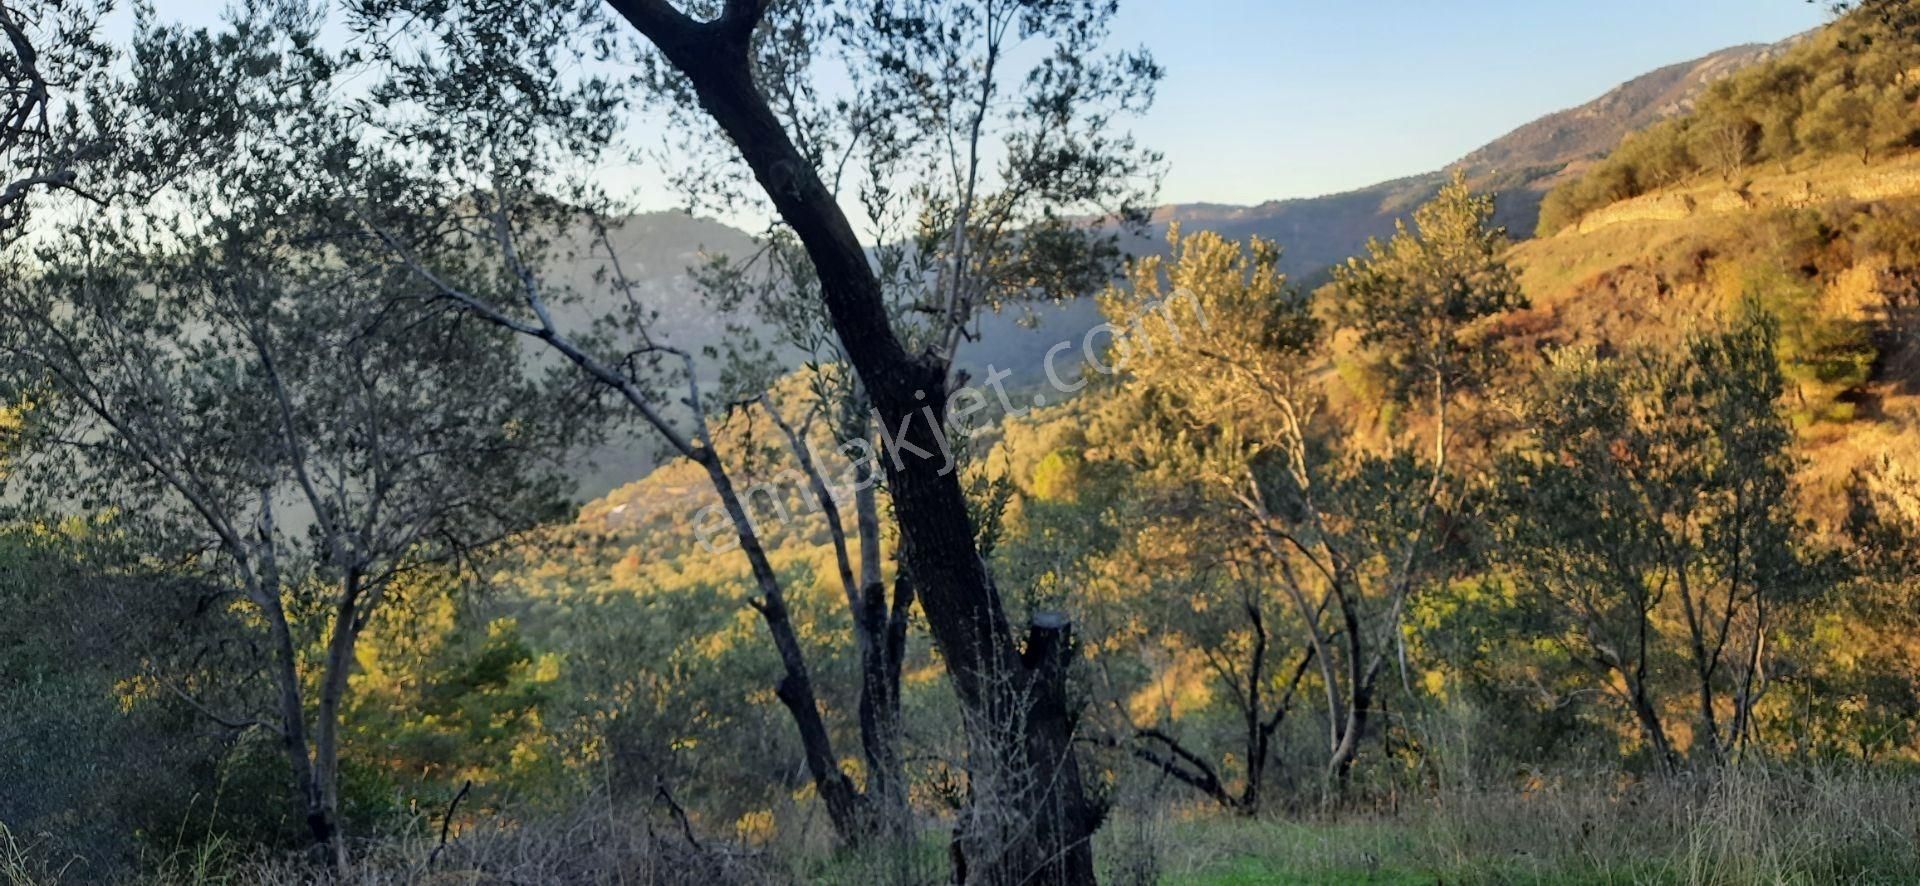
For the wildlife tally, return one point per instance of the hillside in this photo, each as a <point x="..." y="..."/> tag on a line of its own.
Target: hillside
<point x="1792" y="184"/>
<point x="1577" y="134"/>
<point x="1567" y="533"/>
<point x="1826" y="243"/>
<point x="657" y="248"/>
<point x="1829" y="247"/>
<point x="1838" y="268"/>
<point x="1521" y="165"/>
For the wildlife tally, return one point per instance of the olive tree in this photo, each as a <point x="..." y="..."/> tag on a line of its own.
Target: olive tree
<point x="928" y="83"/>
<point x="1650" y="483"/>
<point x="50" y="57"/>
<point x="962" y="138"/>
<point x="1346" y="533"/>
<point x="237" y="374"/>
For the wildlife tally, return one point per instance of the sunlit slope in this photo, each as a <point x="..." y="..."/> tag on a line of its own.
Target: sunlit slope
<point x="1521" y="165"/>
<point x="1834" y="250"/>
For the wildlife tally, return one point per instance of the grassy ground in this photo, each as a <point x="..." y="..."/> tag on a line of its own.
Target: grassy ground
<point x="1381" y="852"/>
<point x="1229" y="852"/>
<point x="1758" y="826"/>
<point x="1754" y="826"/>
<point x="1761" y="828"/>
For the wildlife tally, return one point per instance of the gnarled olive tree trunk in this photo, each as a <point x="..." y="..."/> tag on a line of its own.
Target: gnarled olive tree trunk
<point x="1020" y="724"/>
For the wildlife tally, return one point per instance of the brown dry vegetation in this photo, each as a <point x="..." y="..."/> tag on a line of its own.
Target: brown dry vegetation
<point x="1650" y="279"/>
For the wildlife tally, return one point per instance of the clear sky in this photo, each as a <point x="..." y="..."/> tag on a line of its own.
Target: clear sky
<point x="1268" y="99"/>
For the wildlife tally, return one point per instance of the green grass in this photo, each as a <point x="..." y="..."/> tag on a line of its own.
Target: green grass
<point x="1216" y="850"/>
<point x="1254" y="871"/>
<point x="924" y="860"/>
<point x="24" y="863"/>
<point x="1741" y="827"/>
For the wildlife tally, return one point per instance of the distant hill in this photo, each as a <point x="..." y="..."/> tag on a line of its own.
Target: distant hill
<point x="1521" y="165"/>
<point x="657" y="248"/>
<point x="1594" y="128"/>
<point x="656" y="251"/>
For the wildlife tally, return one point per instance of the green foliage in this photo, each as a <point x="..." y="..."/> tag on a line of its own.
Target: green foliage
<point x="1417" y="300"/>
<point x="1057" y="477"/>
<point x="1650" y="515"/>
<point x="105" y="765"/>
<point x="1246" y="568"/>
<point x="1824" y="356"/>
<point x="1303" y="545"/>
<point x="56" y="94"/>
<point x="1847" y="90"/>
<point x="1859" y="687"/>
<point x="1217" y="328"/>
<point x="444" y="695"/>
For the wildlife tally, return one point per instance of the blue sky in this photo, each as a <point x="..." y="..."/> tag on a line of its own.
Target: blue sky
<point x="1268" y="99"/>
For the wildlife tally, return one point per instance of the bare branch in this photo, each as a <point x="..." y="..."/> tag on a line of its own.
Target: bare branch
<point x="803" y="454"/>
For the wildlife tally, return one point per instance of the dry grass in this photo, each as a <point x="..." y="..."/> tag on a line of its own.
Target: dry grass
<point x="587" y="847"/>
<point x="26" y="862"/>
<point x="1746" y="826"/>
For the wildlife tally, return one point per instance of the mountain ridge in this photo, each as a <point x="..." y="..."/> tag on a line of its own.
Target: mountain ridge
<point x="1521" y="165"/>
<point x="1316" y="232"/>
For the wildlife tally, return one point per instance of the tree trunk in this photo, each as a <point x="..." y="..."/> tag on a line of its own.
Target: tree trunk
<point x="1639" y="698"/>
<point x="845" y="805"/>
<point x="1745" y="699"/>
<point x="309" y="795"/>
<point x="1703" y="665"/>
<point x="1359" y="695"/>
<point x="883" y="652"/>
<point x="795" y="690"/>
<point x="1029" y="820"/>
<point x="885" y="800"/>
<point x="1018" y="718"/>
<point x="1650" y="727"/>
<point x="347" y="621"/>
<point x="880" y="727"/>
<point x="1359" y="716"/>
<point x="1262" y="751"/>
<point x="1257" y="732"/>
